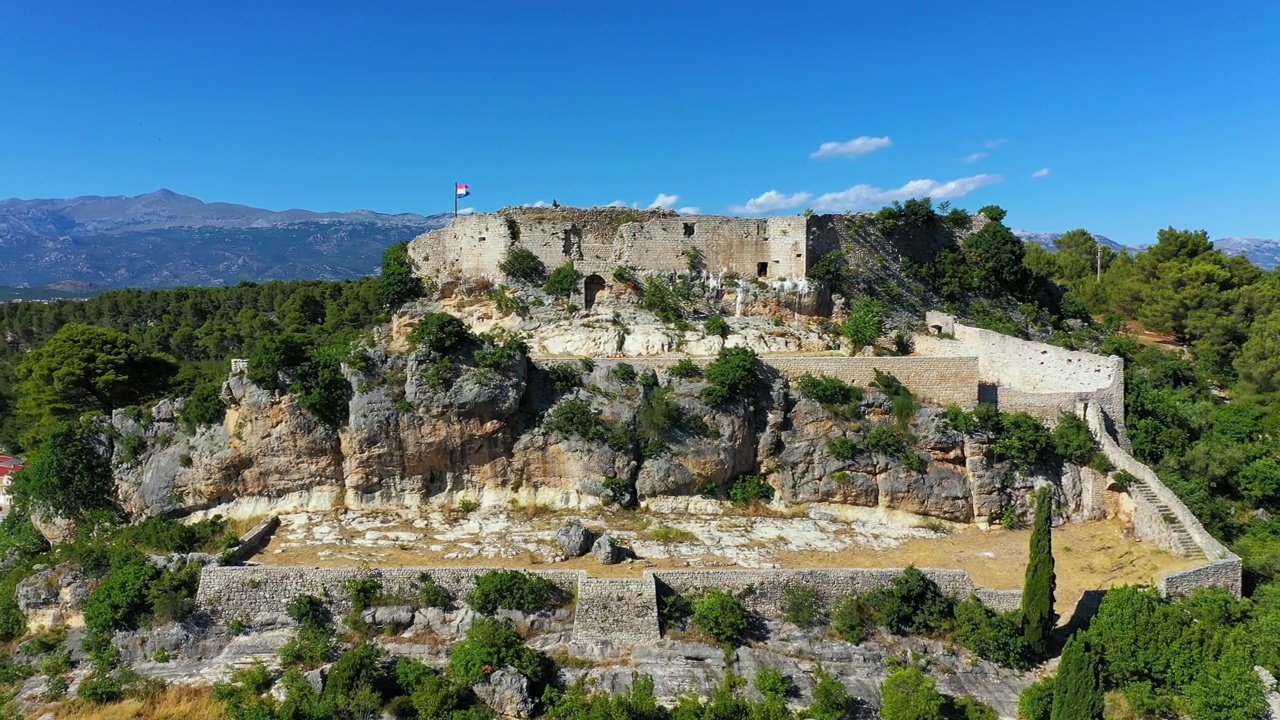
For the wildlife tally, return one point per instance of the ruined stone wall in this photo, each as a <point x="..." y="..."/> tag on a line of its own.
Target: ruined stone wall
<point x="942" y="380"/>
<point x="599" y="239"/>
<point x="1160" y="517"/>
<point x="764" y="588"/>
<point x="1023" y="376"/>
<point x="228" y="592"/>
<point x="620" y="610"/>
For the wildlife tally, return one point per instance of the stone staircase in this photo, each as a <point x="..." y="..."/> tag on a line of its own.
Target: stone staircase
<point x="1181" y="542"/>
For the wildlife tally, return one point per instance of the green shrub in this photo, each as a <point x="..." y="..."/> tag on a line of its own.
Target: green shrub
<point x="432" y="594"/>
<point x="363" y="591"/>
<point x="1036" y="700"/>
<point x="363" y="666"/>
<point x="966" y="707"/>
<point x="1072" y="440"/>
<point x="665" y="300"/>
<point x="309" y="610"/>
<point x="624" y="373"/>
<point x="842" y="448"/>
<point x="1124" y="478"/>
<point x="623" y="274"/>
<point x="721" y="615"/>
<point x="747" y="489"/>
<point x="575" y="418"/>
<point x="503" y="299"/>
<point x="100" y="688"/>
<point x="513" y="590"/>
<point x="500" y="354"/>
<point x="831" y="269"/>
<point x="563" y="281"/>
<point x="827" y="390"/>
<point x="440" y="333"/>
<point x="773" y="684"/>
<point x="203" y="407"/>
<point x="960" y="420"/>
<point x="732" y="376"/>
<point x="803" y="607"/>
<point x="440" y="373"/>
<point x="865" y="323"/>
<point x="521" y="264"/>
<point x="1023" y="441"/>
<point x="172" y="596"/>
<point x="715" y="326"/>
<point x="990" y="635"/>
<point x="902" y="401"/>
<point x="911" y="603"/>
<point x="120" y="600"/>
<point x="397" y="284"/>
<point x="684" y="368"/>
<point x="853" y="617"/>
<point x="310" y="648"/>
<point x="564" y="377"/>
<point x="492" y="644"/>
<point x="885" y="440"/>
<point x="986" y="416"/>
<point x="909" y="694"/>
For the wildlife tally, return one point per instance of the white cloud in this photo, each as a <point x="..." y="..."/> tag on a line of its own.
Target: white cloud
<point x="993" y="144"/>
<point x="868" y="197"/>
<point x="974" y="157"/>
<point x="617" y="203"/>
<point x="539" y="204"/>
<point x="1042" y="172"/>
<point x="466" y="211"/>
<point x="852" y="148"/>
<point x="664" y="201"/>
<point x="771" y="201"/>
<point x="690" y="211"/>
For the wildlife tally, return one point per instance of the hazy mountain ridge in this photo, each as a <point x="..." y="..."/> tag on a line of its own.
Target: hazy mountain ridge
<point x="1263" y="252"/>
<point x="164" y="239"/>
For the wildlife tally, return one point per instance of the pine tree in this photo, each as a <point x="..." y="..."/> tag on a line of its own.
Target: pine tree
<point x="1077" y="692"/>
<point x="1037" y="592"/>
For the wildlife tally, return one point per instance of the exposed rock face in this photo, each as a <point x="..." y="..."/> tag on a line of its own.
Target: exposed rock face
<point x="606" y="551"/>
<point x="53" y="596"/>
<point x="421" y="427"/>
<point x="574" y="539"/>
<point x="506" y="691"/>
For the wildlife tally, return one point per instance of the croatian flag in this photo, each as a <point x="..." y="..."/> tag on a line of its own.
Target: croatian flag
<point x="462" y="190"/>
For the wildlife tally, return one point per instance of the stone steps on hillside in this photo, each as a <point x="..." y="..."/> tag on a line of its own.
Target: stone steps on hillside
<point x="1183" y="543"/>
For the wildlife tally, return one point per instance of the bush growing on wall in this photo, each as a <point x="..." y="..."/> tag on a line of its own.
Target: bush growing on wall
<point x="1023" y="441"/>
<point x="513" y="590"/>
<point x="491" y="643"/>
<point x="521" y="264"/>
<point x="563" y="281"/>
<point x="575" y="418"/>
<point x="685" y="368"/>
<point x="911" y="603"/>
<point x="715" y="326"/>
<point x="747" y="489"/>
<point x="733" y="376"/>
<point x="721" y="615"/>
<point x="803" y="607"/>
<point x="1072" y="440"/>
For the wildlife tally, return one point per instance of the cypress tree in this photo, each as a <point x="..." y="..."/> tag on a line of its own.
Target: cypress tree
<point x="1077" y="692"/>
<point x="1037" y="592"/>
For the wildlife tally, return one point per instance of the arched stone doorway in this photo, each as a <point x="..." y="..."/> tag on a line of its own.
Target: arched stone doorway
<point x="590" y="288"/>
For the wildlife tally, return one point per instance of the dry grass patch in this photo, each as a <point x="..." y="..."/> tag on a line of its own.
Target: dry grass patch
<point x="173" y="703"/>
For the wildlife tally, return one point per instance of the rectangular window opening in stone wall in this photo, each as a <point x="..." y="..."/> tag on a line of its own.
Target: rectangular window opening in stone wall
<point x="762" y="269"/>
<point x="481" y="238"/>
<point x="688" y="229"/>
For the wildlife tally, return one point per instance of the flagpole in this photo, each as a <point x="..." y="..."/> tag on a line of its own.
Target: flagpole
<point x="455" y="199"/>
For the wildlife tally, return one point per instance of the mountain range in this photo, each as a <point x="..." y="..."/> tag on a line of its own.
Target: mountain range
<point x="76" y="246"/>
<point x="163" y="239"/>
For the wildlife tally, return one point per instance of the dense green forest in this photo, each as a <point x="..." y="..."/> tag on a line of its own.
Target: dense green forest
<point x="1202" y="409"/>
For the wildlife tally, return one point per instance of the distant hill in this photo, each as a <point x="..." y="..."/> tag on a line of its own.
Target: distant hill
<point x="1046" y="239"/>
<point x="163" y="239"/>
<point x="1265" y="253"/>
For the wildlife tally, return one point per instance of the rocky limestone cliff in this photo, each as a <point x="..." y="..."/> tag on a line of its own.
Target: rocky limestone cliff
<point x="414" y="436"/>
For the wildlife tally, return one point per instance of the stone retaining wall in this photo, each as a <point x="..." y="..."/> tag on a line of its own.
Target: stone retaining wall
<point x="1151" y="524"/>
<point x="941" y="380"/>
<point x="619" y="610"/>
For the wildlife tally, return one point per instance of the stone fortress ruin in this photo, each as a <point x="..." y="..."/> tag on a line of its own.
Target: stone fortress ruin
<point x="952" y="363"/>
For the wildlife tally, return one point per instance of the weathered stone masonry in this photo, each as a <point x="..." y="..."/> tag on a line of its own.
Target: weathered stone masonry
<point x="622" y="610"/>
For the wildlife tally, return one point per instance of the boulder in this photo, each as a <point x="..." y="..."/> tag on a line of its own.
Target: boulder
<point x="606" y="551"/>
<point x="506" y="691"/>
<point x="575" y="539"/>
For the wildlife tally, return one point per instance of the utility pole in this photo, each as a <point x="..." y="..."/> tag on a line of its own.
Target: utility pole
<point x="1098" y="259"/>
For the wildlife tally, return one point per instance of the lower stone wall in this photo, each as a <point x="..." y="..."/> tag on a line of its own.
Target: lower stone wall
<point x="764" y="588"/>
<point x="621" y="610"/>
<point x="1158" y="526"/>
<point x="246" y="592"/>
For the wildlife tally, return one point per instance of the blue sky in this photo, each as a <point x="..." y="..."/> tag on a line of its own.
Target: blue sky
<point x="1137" y="115"/>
